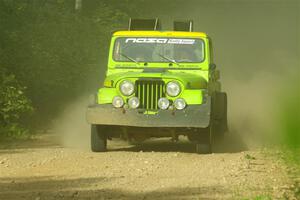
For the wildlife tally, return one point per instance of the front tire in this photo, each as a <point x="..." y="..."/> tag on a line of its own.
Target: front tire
<point x="98" y="139"/>
<point x="202" y="139"/>
<point x="203" y="148"/>
<point x="204" y="144"/>
<point x="219" y="114"/>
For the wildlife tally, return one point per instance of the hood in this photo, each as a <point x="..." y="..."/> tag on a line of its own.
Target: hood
<point x="190" y="80"/>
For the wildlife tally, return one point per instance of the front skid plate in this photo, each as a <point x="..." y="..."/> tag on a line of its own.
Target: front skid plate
<point x="197" y="116"/>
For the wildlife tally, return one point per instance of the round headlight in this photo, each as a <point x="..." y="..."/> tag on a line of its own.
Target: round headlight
<point x="118" y="102"/>
<point x="179" y="103"/>
<point x="173" y="89"/>
<point x="163" y="103"/>
<point x="127" y="88"/>
<point x="133" y="102"/>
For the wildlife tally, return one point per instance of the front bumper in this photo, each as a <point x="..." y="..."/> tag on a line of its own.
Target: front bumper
<point x="196" y="116"/>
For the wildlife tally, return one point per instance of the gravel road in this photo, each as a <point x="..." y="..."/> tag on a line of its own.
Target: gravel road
<point x="159" y="169"/>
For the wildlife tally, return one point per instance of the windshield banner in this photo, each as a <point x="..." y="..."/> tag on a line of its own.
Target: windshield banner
<point x="160" y="40"/>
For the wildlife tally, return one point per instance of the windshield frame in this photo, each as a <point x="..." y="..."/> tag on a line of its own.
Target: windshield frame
<point x="128" y="61"/>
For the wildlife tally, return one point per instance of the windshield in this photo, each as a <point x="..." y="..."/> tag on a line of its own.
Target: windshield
<point x="159" y="49"/>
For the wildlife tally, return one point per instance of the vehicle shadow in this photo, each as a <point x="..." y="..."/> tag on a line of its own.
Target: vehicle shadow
<point x="156" y="145"/>
<point x="231" y="143"/>
<point x="99" y="188"/>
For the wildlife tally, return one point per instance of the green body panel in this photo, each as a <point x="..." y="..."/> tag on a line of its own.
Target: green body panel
<point x="105" y="95"/>
<point x="192" y="97"/>
<point x="194" y="78"/>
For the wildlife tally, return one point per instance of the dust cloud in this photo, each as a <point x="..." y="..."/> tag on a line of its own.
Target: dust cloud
<point x="71" y="127"/>
<point x="256" y="48"/>
<point x="254" y="106"/>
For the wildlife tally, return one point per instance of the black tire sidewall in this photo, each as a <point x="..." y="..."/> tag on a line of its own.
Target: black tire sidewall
<point x="98" y="139"/>
<point x="219" y="114"/>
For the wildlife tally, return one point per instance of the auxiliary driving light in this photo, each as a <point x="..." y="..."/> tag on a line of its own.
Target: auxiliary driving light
<point x="163" y="103"/>
<point x="134" y="102"/>
<point x="179" y="104"/>
<point x="118" y="102"/>
<point x="127" y="88"/>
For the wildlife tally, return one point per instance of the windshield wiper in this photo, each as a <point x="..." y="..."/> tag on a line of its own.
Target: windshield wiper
<point x="129" y="58"/>
<point x="168" y="59"/>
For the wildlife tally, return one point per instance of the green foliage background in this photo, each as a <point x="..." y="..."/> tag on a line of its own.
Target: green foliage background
<point x="50" y="54"/>
<point x="13" y="105"/>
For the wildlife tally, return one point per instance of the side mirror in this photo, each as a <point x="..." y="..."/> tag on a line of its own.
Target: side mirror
<point x="212" y="66"/>
<point x="217" y="74"/>
<point x="93" y="99"/>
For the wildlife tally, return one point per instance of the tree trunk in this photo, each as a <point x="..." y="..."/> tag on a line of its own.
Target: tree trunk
<point x="78" y="5"/>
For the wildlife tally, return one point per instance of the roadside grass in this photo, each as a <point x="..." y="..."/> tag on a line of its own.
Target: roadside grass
<point x="259" y="197"/>
<point x="291" y="158"/>
<point x="288" y="127"/>
<point x="262" y="197"/>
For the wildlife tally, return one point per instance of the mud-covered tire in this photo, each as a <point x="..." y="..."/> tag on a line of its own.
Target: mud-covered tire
<point x="219" y="114"/>
<point x="204" y="144"/>
<point x="98" y="139"/>
<point x="203" y="148"/>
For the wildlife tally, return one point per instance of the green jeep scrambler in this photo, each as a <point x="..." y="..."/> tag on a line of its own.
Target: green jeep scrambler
<point x="159" y="84"/>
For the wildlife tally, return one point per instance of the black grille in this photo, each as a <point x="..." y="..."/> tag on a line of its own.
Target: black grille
<point x="148" y="92"/>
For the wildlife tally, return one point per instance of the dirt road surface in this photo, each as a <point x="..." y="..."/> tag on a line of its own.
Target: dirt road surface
<point x="159" y="169"/>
